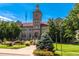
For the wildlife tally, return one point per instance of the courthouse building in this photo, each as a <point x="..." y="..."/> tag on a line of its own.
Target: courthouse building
<point x="36" y="28"/>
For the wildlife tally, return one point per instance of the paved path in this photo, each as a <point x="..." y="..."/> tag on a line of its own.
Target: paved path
<point x="27" y="51"/>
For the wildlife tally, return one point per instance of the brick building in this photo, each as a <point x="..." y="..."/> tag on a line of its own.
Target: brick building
<point x="36" y="28"/>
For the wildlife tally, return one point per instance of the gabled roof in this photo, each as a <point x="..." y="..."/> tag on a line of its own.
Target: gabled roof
<point x="27" y="24"/>
<point x="31" y="24"/>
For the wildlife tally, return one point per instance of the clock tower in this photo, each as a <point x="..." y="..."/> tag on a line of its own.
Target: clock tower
<point x="37" y="22"/>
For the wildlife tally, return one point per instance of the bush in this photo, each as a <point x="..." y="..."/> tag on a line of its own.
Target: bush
<point x="43" y="53"/>
<point x="9" y="43"/>
<point x="27" y="43"/>
<point x="18" y="42"/>
<point x="31" y="42"/>
<point x="45" y="43"/>
<point x="22" y="42"/>
<point x="0" y="42"/>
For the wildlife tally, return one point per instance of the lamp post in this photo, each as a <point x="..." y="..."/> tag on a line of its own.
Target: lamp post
<point x="61" y="37"/>
<point x="56" y="40"/>
<point x="55" y="34"/>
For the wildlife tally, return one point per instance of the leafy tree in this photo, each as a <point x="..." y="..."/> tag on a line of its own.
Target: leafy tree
<point x="68" y="34"/>
<point x="71" y="24"/>
<point x="52" y="29"/>
<point x="58" y="25"/>
<point x="9" y="30"/>
<point x="55" y="28"/>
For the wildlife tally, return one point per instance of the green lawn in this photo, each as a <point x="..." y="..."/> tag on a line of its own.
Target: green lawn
<point x="68" y="49"/>
<point x="12" y="47"/>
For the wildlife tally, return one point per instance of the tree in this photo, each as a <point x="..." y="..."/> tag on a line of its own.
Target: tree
<point x="52" y="29"/>
<point x="68" y="33"/>
<point x="71" y="24"/>
<point x="58" y="22"/>
<point x="45" y="43"/>
<point x="13" y="31"/>
<point x="9" y="30"/>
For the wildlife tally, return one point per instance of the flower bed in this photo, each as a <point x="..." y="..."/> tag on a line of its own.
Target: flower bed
<point x="43" y="53"/>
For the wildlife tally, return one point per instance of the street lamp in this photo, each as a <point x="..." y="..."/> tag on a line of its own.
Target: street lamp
<point x="55" y="35"/>
<point x="56" y="40"/>
<point x="61" y="36"/>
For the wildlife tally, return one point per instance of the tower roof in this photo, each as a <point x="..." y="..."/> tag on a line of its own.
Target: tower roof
<point x="37" y="8"/>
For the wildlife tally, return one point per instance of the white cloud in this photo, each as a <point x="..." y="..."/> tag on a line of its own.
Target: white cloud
<point x="8" y="14"/>
<point x="5" y="18"/>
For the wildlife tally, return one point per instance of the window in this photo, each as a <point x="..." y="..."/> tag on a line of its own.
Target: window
<point x="29" y="29"/>
<point x="29" y="35"/>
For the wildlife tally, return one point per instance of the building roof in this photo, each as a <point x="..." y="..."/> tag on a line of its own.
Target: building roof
<point x="27" y="24"/>
<point x="31" y="24"/>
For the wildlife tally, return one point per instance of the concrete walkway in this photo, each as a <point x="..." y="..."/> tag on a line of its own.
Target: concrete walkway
<point x="27" y="51"/>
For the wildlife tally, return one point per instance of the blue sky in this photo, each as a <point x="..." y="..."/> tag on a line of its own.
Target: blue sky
<point x="17" y="11"/>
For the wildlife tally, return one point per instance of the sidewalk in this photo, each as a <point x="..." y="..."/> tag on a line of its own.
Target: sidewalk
<point x="18" y="52"/>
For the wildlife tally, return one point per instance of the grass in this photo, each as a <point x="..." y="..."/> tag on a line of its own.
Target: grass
<point x="12" y="47"/>
<point x="68" y="49"/>
<point x="67" y="53"/>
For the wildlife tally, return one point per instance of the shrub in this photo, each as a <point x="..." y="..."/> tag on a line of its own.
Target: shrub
<point x="31" y="42"/>
<point x="27" y="43"/>
<point x="43" y="53"/>
<point x="4" y="41"/>
<point x="18" y="42"/>
<point x="45" y="43"/>
<point x="9" y="43"/>
<point x="22" y="42"/>
<point x="0" y="42"/>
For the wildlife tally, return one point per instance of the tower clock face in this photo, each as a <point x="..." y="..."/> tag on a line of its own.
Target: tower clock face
<point x="37" y="15"/>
